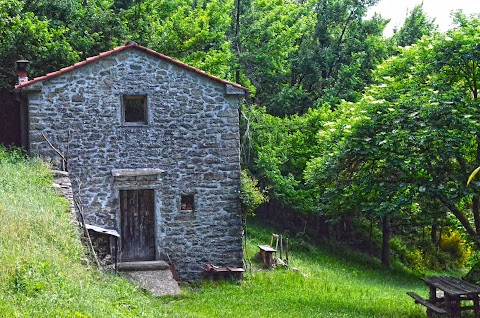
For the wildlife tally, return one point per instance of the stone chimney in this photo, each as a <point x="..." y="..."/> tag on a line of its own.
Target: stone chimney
<point x="22" y="66"/>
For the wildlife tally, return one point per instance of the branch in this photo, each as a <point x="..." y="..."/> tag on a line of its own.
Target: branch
<point x="64" y="159"/>
<point x="339" y="43"/>
<point x="81" y="221"/>
<point x="459" y="215"/>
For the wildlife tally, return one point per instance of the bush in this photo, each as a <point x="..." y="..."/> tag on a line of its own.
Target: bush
<point x="414" y="259"/>
<point x="14" y="155"/>
<point x="250" y="194"/>
<point x="453" y="244"/>
<point x="452" y="252"/>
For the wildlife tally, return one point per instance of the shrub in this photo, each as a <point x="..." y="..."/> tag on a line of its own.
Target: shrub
<point x="414" y="259"/>
<point x="453" y="244"/>
<point x="250" y="195"/>
<point x="11" y="155"/>
<point x="452" y="252"/>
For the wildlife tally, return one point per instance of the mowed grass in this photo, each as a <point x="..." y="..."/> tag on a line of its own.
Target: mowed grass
<point x="44" y="272"/>
<point x="323" y="283"/>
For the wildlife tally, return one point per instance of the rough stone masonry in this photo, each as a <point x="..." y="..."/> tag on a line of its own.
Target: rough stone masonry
<point x="187" y="145"/>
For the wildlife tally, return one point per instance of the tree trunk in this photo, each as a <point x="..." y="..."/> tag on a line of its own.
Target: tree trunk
<point x="386" y="234"/>
<point x="237" y="40"/>
<point x="476" y="199"/>
<point x="433" y="234"/>
<point x="460" y="217"/>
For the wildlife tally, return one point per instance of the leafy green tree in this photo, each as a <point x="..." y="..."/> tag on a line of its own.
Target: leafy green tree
<point x="413" y="137"/>
<point x="268" y="40"/>
<point x="96" y="28"/>
<point x="190" y="30"/>
<point x="416" y="25"/>
<point x="335" y="62"/>
<point x="24" y="35"/>
<point x="458" y="60"/>
<point x="277" y="149"/>
<point x="300" y="55"/>
<point x="90" y="26"/>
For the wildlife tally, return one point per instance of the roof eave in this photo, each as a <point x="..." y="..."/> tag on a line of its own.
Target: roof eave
<point x="89" y="60"/>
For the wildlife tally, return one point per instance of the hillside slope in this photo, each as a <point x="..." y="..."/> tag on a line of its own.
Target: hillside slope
<point x="44" y="270"/>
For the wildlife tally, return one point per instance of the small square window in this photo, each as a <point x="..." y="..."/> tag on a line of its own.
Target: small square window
<point x="134" y="109"/>
<point x="187" y="203"/>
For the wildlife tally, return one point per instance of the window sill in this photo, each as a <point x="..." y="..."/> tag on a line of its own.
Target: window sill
<point x="139" y="125"/>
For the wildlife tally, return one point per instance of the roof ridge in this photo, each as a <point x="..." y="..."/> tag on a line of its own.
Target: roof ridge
<point x="128" y="44"/>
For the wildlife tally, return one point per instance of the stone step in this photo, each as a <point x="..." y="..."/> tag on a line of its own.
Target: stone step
<point x="142" y="266"/>
<point x="154" y="276"/>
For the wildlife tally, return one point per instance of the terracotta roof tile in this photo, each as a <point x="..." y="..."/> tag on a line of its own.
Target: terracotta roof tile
<point x="129" y="45"/>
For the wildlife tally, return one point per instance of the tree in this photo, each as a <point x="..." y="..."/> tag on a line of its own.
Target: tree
<point x="268" y="39"/>
<point x="277" y="149"/>
<point x="416" y="25"/>
<point x="190" y="30"/>
<point x="413" y="138"/>
<point x="24" y="36"/>
<point x="90" y="26"/>
<point x="335" y="62"/>
<point x="299" y="55"/>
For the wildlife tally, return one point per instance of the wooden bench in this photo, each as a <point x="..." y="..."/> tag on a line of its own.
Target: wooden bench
<point x="213" y="272"/>
<point x="266" y="251"/>
<point x="431" y="308"/>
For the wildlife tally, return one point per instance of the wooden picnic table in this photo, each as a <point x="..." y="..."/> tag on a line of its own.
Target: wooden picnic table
<point x="450" y="294"/>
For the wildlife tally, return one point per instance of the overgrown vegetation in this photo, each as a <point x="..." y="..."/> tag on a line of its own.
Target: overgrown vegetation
<point x="400" y="156"/>
<point x="250" y="194"/>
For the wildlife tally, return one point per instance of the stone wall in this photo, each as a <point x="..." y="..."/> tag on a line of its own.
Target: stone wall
<point x="189" y="146"/>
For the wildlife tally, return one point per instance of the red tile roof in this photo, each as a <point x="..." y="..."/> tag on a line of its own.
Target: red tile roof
<point x="128" y="45"/>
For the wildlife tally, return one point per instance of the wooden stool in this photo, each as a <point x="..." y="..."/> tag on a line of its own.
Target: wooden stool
<point x="266" y="251"/>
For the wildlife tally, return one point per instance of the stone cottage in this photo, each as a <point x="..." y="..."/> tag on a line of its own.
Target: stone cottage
<point x="152" y="148"/>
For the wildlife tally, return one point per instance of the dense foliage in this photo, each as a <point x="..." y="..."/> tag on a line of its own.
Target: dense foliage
<point x="250" y="195"/>
<point x="292" y="55"/>
<point x="402" y="154"/>
<point x="398" y="157"/>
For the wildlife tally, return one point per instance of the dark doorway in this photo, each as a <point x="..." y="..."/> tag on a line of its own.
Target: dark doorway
<point x="137" y="225"/>
<point x="10" y="134"/>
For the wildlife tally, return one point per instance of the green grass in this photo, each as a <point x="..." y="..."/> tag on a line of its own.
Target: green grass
<point x="43" y="268"/>
<point x="326" y="283"/>
<point x="44" y="272"/>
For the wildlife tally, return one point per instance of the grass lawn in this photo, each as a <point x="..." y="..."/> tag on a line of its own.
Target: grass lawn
<point x="44" y="272"/>
<point x="324" y="284"/>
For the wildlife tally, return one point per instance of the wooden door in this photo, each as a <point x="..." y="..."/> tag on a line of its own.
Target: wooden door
<point x="137" y="225"/>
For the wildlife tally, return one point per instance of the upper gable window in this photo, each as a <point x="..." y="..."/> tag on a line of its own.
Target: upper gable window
<point x="134" y="108"/>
